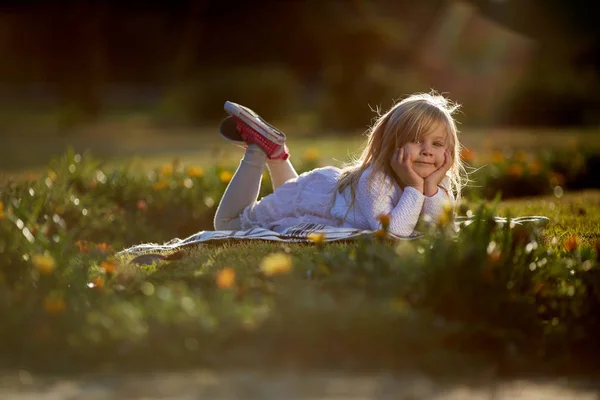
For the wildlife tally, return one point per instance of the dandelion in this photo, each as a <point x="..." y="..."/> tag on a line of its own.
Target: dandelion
<point x="467" y="154"/>
<point x="109" y="266"/>
<point x="166" y="169"/>
<point x="381" y="234"/>
<point x="535" y="167"/>
<point x="521" y="156"/>
<point x="103" y="247"/>
<point x="54" y="305"/>
<point x="384" y="220"/>
<point x="446" y="215"/>
<point x="515" y="170"/>
<point x="571" y="243"/>
<point x="311" y="154"/>
<point x="1" y="210"/>
<point x="160" y="185"/>
<point x="225" y="278"/>
<point x="97" y="282"/>
<point x="276" y="264"/>
<point x="317" y="238"/>
<point x="195" y="172"/>
<point x="83" y="246"/>
<point x="43" y="263"/>
<point x="225" y="176"/>
<point x="497" y="157"/>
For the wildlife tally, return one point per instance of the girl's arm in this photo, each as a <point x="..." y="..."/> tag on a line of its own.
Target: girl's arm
<point x="376" y="200"/>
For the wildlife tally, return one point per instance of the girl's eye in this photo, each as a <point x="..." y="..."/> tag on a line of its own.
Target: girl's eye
<point x="416" y="141"/>
<point x="438" y="144"/>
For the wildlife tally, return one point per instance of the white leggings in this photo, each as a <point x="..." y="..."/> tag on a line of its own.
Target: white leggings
<point x="244" y="187"/>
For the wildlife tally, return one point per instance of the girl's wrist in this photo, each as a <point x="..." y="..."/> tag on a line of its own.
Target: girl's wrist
<point x="430" y="189"/>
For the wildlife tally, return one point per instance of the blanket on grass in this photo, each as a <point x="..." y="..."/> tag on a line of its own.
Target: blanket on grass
<point x="298" y="234"/>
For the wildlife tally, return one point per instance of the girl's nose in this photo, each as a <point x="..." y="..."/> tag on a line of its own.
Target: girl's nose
<point x="425" y="150"/>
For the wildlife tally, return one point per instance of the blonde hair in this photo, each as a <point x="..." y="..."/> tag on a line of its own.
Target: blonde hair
<point x="405" y="121"/>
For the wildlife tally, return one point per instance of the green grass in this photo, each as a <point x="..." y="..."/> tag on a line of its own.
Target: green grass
<point x="515" y="300"/>
<point x="576" y="213"/>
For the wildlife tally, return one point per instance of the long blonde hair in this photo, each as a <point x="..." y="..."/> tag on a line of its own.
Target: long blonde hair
<point x="405" y="121"/>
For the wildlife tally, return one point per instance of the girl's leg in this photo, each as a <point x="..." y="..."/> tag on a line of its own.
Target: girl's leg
<point x="281" y="171"/>
<point x="242" y="190"/>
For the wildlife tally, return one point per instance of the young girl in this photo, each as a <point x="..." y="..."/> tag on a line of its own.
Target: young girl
<point x="410" y="167"/>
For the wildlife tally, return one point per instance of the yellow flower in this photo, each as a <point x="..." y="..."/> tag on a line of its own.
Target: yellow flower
<point x="225" y="176"/>
<point x="571" y="243"/>
<point x="54" y="305"/>
<point x="381" y="234"/>
<point x="384" y="220"/>
<point x="521" y="156"/>
<point x="311" y="154"/>
<point x="103" y="247"/>
<point x="160" y="185"/>
<point x="226" y="278"/>
<point x="276" y="264"/>
<point x="166" y="169"/>
<point x="1" y="210"/>
<point x="535" y="167"/>
<point x="195" y="172"/>
<point x="317" y="238"/>
<point x="109" y="266"/>
<point x="497" y="157"/>
<point x="98" y="282"/>
<point x="515" y="170"/>
<point x="446" y="215"/>
<point x="43" y="263"/>
<point x="52" y="175"/>
<point x="83" y="246"/>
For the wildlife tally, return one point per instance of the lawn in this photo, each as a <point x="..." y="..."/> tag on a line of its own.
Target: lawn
<point x="516" y="299"/>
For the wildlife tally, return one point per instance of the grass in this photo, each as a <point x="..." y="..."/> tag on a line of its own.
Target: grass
<point x="516" y="300"/>
<point x="576" y="213"/>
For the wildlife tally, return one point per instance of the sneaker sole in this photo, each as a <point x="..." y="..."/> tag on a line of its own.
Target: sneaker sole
<point x="228" y="130"/>
<point x="255" y="122"/>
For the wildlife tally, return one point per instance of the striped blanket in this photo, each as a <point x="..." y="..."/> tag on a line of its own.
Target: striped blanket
<point x="299" y="233"/>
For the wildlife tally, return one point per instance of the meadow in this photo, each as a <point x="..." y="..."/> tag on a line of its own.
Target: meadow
<point x="518" y="299"/>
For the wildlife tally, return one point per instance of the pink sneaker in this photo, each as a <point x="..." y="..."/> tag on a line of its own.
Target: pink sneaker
<point x="246" y="127"/>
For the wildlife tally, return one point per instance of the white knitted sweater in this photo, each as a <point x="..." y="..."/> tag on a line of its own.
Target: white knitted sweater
<point x="312" y="198"/>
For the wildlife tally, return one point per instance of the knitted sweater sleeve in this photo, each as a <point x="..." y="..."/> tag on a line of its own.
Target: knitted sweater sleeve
<point x="377" y="199"/>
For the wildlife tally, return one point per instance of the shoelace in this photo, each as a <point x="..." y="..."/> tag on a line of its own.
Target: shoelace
<point x="251" y="136"/>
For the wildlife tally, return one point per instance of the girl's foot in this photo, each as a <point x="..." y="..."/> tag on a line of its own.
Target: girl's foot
<point x="245" y="127"/>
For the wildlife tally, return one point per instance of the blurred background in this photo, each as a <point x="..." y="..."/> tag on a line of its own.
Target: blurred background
<point x="145" y="78"/>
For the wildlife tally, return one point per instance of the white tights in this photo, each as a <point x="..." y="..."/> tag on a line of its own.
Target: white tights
<point x="244" y="187"/>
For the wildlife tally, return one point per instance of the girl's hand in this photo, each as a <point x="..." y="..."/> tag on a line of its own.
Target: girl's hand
<point x="432" y="181"/>
<point x="402" y="166"/>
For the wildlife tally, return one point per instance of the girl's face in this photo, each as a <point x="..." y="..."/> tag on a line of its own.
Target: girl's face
<point x="427" y="152"/>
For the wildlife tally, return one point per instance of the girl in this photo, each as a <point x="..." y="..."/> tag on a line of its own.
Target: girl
<point x="410" y="167"/>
